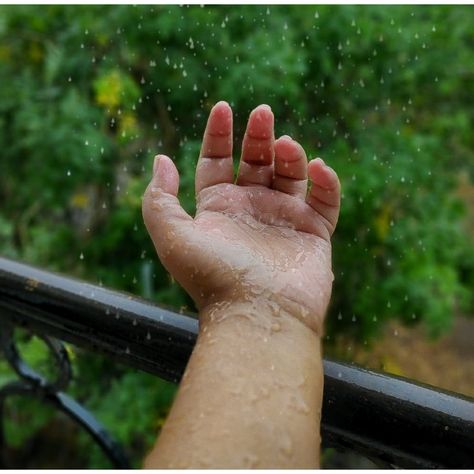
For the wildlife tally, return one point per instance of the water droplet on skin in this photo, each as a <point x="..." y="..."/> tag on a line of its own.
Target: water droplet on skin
<point x="304" y="312"/>
<point x="299" y="404"/>
<point x="250" y="460"/>
<point x="276" y="327"/>
<point x="286" y="445"/>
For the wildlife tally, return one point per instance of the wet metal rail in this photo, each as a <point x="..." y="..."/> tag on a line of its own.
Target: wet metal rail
<point x="390" y="420"/>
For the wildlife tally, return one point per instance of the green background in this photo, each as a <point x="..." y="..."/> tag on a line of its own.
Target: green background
<point x="89" y="94"/>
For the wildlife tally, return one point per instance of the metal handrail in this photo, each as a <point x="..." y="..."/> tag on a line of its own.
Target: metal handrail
<point x="386" y="418"/>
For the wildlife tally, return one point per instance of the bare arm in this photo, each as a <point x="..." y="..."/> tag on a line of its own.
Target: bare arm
<point x="256" y="259"/>
<point x="250" y="397"/>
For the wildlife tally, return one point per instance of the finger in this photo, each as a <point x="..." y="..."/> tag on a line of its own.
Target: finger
<point x="291" y="166"/>
<point x="256" y="162"/>
<point x="163" y="215"/>
<point x="215" y="160"/>
<point x="325" y="193"/>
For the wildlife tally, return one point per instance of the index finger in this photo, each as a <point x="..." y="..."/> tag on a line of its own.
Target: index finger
<point x="215" y="159"/>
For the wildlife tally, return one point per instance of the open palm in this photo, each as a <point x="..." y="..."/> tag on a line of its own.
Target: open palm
<point x="264" y="239"/>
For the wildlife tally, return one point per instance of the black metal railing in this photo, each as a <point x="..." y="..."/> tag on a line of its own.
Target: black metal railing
<point x="390" y="420"/>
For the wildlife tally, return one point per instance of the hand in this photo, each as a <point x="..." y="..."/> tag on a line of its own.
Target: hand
<point x="263" y="240"/>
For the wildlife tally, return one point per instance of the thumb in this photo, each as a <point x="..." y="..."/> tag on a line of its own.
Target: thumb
<point x="163" y="215"/>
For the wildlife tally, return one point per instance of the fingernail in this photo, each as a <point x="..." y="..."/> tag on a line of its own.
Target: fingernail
<point x="265" y="106"/>
<point x="286" y="136"/>
<point x="155" y="164"/>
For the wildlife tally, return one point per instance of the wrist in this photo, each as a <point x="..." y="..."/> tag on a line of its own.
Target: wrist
<point x="264" y="313"/>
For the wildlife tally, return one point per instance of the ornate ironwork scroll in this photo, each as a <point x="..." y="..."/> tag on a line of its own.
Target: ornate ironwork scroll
<point x="32" y="383"/>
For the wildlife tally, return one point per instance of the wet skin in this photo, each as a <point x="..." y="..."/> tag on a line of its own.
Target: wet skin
<point x="256" y="259"/>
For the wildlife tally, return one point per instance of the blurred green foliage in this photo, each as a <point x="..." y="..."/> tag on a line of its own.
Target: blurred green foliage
<point x="385" y="94"/>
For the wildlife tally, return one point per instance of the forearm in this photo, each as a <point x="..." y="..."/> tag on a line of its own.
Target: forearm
<point x="251" y="395"/>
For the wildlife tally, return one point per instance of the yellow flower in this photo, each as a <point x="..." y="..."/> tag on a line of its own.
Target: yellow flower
<point x="382" y="222"/>
<point x="128" y="124"/>
<point x="80" y="200"/>
<point x="108" y="90"/>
